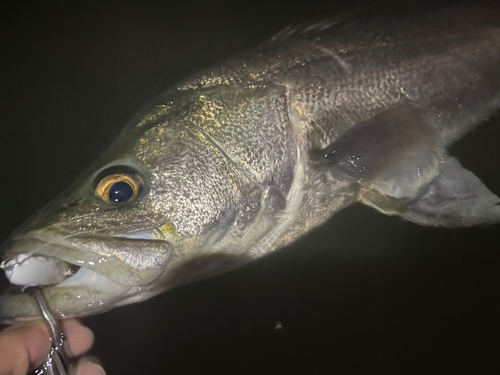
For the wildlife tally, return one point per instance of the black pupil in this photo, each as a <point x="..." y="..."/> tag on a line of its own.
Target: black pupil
<point x="120" y="192"/>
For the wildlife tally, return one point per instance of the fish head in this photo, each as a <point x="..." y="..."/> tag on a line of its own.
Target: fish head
<point x="155" y="202"/>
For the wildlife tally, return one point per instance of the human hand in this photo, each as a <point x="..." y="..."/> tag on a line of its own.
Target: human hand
<point x="24" y="346"/>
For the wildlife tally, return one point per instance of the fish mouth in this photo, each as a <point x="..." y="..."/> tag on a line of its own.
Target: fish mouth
<point x="79" y="275"/>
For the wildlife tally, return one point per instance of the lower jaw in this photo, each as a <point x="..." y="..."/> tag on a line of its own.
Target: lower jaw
<point x="68" y="289"/>
<point x="64" y="302"/>
<point x="109" y="267"/>
<point x="79" y="301"/>
<point x="84" y="292"/>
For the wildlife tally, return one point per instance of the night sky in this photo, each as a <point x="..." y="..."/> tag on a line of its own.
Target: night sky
<point x="365" y="293"/>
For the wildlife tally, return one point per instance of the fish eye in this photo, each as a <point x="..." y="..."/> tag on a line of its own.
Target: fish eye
<point x="118" y="188"/>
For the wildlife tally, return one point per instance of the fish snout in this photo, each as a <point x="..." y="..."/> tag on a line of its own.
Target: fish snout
<point x="80" y="275"/>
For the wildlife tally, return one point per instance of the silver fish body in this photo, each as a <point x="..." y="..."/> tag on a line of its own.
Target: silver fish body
<point x="246" y="157"/>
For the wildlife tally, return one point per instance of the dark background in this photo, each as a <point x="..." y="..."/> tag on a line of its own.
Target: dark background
<point x="365" y="293"/>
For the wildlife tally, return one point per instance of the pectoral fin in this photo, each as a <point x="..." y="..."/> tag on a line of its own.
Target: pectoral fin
<point x="395" y="153"/>
<point x="401" y="169"/>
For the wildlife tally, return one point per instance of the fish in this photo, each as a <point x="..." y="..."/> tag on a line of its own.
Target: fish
<point x="244" y="158"/>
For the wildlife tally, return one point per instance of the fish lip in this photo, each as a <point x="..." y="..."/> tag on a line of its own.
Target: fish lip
<point x="98" y="301"/>
<point x="101" y="285"/>
<point x="104" y="292"/>
<point x="41" y="235"/>
<point x="112" y="280"/>
<point x="49" y="240"/>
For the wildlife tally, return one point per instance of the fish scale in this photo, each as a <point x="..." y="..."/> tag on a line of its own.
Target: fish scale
<point x="246" y="157"/>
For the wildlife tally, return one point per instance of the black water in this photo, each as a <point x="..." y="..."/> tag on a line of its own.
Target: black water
<point x="365" y="293"/>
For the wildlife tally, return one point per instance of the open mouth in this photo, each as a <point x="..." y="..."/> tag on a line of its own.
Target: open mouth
<point x="39" y="270"/>
<point x="70" y="290"/>
<point x="46" y="258"/>
<point x="81" y="275"/>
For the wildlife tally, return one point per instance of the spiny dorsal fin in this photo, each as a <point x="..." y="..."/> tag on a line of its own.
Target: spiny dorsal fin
<point x="315" y="26"/>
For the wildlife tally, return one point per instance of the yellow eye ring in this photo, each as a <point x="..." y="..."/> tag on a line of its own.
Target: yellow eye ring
<point x="119" y="188"/>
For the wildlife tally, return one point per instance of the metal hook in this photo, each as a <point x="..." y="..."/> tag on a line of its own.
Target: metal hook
<point x="57" y="362"/>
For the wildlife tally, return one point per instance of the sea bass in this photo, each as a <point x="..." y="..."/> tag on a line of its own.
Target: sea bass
<point x="248" y="156"/>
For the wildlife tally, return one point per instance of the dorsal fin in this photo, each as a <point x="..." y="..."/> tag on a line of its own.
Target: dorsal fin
<point x="317" y="26"/>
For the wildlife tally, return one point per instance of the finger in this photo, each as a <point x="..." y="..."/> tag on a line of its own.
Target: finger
<point x="79" y="338"/>
<point x="87" y="367"/>
<point x="22" y="346"/>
